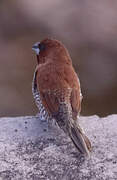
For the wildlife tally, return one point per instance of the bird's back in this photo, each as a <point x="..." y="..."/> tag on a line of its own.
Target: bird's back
<point x="57" y="76"/>
<point x="60" y="78"/>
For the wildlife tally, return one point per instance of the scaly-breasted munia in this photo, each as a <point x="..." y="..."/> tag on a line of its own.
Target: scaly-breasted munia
<point x="56" y="90"/>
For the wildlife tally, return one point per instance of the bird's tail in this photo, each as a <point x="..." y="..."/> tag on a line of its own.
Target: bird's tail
<point x="79" y="139"/>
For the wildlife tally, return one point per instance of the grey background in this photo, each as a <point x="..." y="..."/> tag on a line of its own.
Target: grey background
<point x="89" y="31"/>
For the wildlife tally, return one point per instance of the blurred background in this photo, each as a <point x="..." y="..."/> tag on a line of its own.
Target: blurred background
<point x="88" y="28"/>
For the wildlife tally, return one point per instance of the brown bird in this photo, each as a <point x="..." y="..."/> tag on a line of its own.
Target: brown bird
<point x="56" y="90"/>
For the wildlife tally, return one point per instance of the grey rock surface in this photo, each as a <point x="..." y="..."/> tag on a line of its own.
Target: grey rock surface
<point x="31" y="150"/>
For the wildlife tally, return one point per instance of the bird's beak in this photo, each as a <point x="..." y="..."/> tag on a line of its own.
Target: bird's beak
<point x="35" y="48"/>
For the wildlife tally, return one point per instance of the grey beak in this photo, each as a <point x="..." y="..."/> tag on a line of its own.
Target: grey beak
<point x="35" y="47"/>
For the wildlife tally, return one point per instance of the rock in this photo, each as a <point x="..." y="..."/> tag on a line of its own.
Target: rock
<point x="31" y="150"/>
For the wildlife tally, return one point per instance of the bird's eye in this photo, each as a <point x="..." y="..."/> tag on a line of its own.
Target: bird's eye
<point x="41" y="47"/>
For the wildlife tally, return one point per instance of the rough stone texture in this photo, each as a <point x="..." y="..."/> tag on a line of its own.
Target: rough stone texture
<point x="29" y="150"/>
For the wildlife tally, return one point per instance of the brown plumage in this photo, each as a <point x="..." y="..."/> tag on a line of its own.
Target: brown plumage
<point x="58" y="90"/>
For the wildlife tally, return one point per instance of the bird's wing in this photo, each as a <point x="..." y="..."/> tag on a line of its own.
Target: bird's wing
<point x="50" y="101"/>
<point x="56" y="85"/>
<point x="76" y="99"/>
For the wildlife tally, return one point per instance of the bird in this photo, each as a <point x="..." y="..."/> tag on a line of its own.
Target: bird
<point x="56" y="90"/>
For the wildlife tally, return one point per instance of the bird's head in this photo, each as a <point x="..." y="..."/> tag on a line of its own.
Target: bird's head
<point x="51" y="50"/>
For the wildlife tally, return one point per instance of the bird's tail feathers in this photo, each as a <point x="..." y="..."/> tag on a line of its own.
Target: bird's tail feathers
<point x="79" y="139"/>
